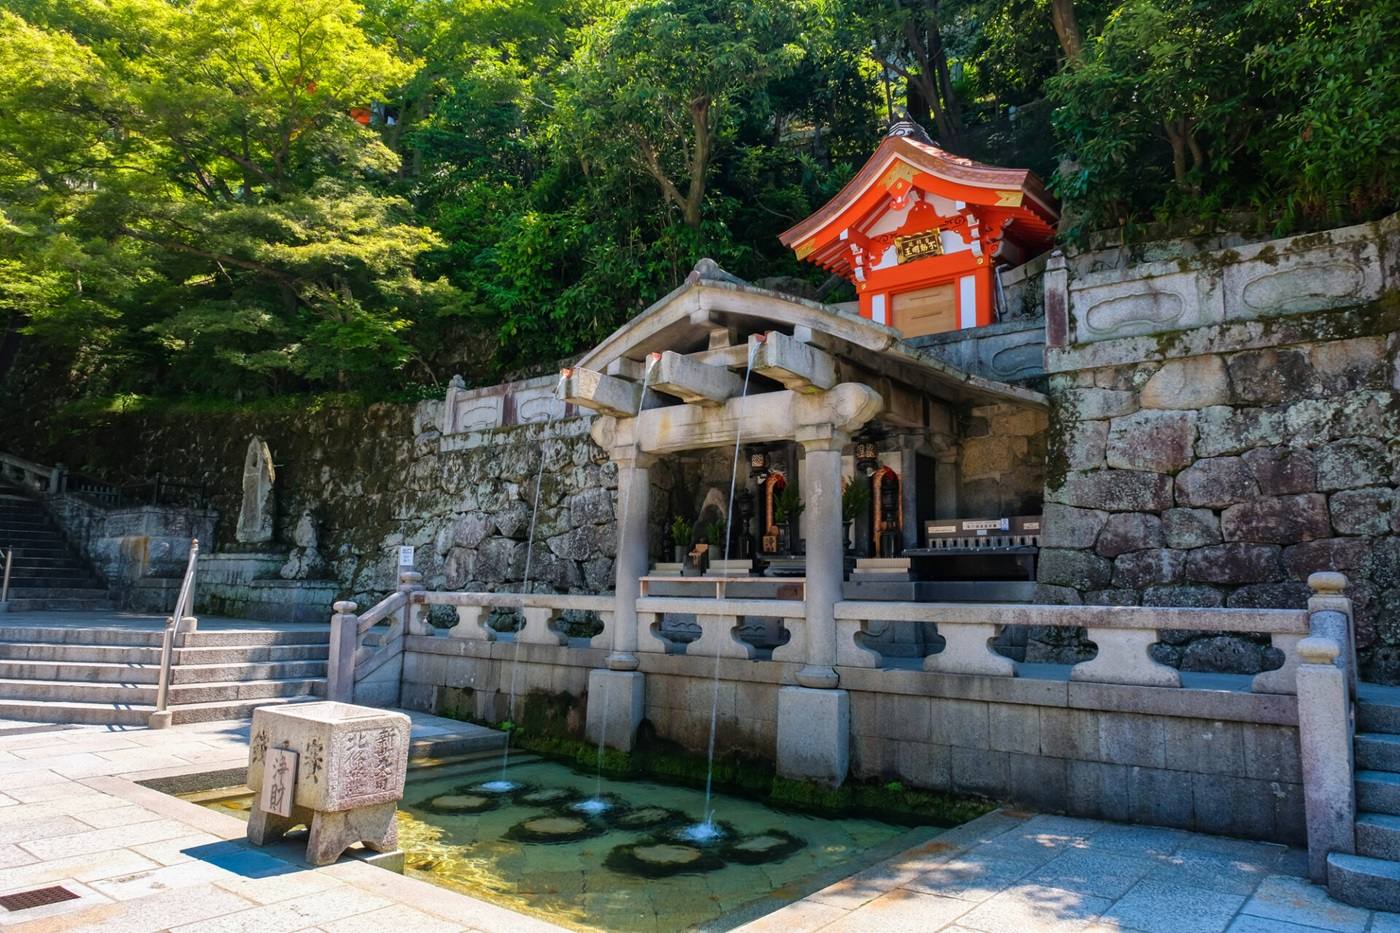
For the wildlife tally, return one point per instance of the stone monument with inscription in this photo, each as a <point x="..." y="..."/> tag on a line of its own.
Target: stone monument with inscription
<point x="335" y="768"/>
<point x="255" y="516"/>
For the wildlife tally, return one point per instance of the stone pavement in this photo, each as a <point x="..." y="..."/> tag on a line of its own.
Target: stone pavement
<point x="139" y="860"/>
<point x="1013" y="872"/>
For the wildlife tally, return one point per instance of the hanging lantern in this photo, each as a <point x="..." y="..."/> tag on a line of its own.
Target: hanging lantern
<point x="758" y="463"/>
<point x="867" y="455"/>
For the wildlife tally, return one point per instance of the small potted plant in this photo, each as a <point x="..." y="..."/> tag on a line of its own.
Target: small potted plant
<point x="714" y="537"/>
<point x="786" y="508"/>
<point x="681" y="529"/>
<point x="855" y="499"/>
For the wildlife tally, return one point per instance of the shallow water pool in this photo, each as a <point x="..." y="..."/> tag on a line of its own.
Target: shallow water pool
<point x="543" y="845"/>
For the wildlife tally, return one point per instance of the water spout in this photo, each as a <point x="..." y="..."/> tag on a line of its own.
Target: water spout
<point x="707" y="825"/>
<point x="525" y="582"/>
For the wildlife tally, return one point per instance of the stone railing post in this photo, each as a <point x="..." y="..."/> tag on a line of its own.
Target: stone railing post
<point x="1325" y="743"/>
<point x="633" y="561"/>
<point x="410" y="582"/>
<point x="1056" y="300"/>
<point x="340" y="666"/>
<point x="1329" y="616"/>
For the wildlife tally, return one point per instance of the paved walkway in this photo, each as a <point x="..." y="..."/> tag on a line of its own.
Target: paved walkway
<point x="139" y="860"/>
<point x="1011" y="872"/>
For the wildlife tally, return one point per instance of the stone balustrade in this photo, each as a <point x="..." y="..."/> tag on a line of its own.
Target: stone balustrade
<point x="719" y="621"/>
<point x="1123" y="635"/>
<point x="541" y="613"/>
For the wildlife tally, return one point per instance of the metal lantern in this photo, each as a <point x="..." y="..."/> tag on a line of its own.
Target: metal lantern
<point x="758" y="463"/>
<point x="867" y="455"/>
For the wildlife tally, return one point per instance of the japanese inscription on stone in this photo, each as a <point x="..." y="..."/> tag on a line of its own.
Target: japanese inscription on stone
<point x="279" y="781"/>
<point x="368" y="762"/>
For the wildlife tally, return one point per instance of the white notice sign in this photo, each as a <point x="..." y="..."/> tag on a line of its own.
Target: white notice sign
<point x="406" y="556"/>
<point x="279" y="781"/>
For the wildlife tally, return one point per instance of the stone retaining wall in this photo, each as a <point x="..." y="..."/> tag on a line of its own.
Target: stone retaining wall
<point x="1213" y="761"/>
<point x="1224" y="423"/>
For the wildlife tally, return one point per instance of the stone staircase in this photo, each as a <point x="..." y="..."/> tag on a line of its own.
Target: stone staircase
<point x="108" y="676"/>
<point x="1371" y="877"/>
<point x="46" y="573"/>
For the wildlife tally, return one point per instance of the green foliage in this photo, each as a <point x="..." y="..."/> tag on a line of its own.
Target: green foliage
<point x="1187" y="109"/>
<point x="681" y="530"/>
<point x="714" y="532"/>
<point x="855" y="499"/>
<point x="788" y="504"/>
<point x="188" y="208"/>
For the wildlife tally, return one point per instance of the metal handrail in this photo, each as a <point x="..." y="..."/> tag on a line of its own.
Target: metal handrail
<point x="184" y="603"/>
<point x="5" y="584"/>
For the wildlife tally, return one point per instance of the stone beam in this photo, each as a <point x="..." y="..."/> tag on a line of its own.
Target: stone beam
<point x="593" y="390"/>
<point x="771" y="416"/>
<point x="692" y="381"/>
<point x="798" y="366"/>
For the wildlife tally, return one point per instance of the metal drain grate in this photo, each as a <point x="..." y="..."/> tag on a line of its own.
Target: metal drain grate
<point x="39" y="897"/>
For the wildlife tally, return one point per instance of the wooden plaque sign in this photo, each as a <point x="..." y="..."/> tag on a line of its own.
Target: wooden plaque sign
<point x="279" y="781"/>
<point x="918" y="245"/>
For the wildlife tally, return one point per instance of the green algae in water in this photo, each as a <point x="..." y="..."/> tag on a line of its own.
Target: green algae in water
<point x="657" y="883"/>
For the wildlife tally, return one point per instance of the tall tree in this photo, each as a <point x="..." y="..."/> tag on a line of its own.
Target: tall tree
<point x="655" y="85"/>
<point x="215" y="195"/>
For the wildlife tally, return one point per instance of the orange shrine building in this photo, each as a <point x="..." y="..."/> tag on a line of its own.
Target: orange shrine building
<point x="922" y="233"/>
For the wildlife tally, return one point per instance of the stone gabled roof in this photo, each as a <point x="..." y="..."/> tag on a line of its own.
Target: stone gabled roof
<point x="712" y="298"/>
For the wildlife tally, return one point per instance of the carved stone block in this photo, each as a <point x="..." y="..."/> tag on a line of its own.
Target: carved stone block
<point x="351" y="766"/>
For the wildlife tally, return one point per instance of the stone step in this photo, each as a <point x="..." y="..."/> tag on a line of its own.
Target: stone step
<point x="1363" y="881"/>
<point x="60" y="605"/>
<point x="43" y="556"/>
<point x="79" y="635"/>
<point x="239" y="654"/>
<point x="1378" y="835"/>
<point x="95" y="714"/>
<point x="1378" y="717"/>
<point x="148" y="672"/>
<point x="249" y="637"/>
<point x="1378" y="792"/>
<point x="58" y="592"/>
<point x="1377" y="751"/>
<point x="144" y="694"/>
<point x="239" y="709"/>
<point x="146" y="655"/>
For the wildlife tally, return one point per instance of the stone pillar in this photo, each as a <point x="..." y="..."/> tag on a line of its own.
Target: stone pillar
<point x="824" y="560"/>
<point x="632" y="563"/>
<point x="1325" y="743"/>
<point x="1056" y="300"/>
<point x="945" y="484"/>
<point x="814" y="720"/>
<point x="616" y="704"/>
<point x="617" y="696"/>
<point x="340" y="665"/>
<point x="909" y="491"/>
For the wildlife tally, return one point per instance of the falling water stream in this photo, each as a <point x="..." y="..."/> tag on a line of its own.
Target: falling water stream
<point x="597" y="803"/>
<point x="503" y="785"/>
<point x="706" y="830"/>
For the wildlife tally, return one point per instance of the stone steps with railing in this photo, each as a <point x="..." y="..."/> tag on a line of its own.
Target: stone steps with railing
<point x="110" y="676"/>
<point x="45" y="573"/>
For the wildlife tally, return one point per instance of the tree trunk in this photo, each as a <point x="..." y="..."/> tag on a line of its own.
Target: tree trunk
<point x="699" y="160"/>
<point x="1067" y="29"/>
<point x="939" y="60"/>
<point x="1178" y="144"/>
